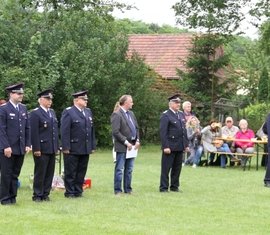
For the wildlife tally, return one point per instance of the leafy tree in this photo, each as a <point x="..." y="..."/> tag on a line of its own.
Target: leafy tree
<point x="210" y="16"/>
<point x="202" y="80"/>
<point x="69" y="48"/>
<point x="218" y="20"/>
<point x="263" y="87"/>
<point x="238" y="48"/>
<point x="260" y="11"/>
<point x="138" y="27"/>
<point x="129" y="27"/>
<point x="247" y="60"/>
<point x="265" y="35"/>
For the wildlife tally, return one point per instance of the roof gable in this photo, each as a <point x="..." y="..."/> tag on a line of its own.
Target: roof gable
<point x="162" y="52"/>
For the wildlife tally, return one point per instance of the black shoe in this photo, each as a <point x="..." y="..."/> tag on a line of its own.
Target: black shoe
<point x="70" y="196"/>
<point x="163" y="191"/>
<point x="13" y="200"/>
<point x="37" y="199"/>
<point x="174" y="190"/>
<point x="46" y="199"/>
<point x="6" y="202"/>
<point x="267" y="185"/>
<point x="130" y="192"/>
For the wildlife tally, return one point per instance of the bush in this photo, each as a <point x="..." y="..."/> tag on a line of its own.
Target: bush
<point x="255" y="115"/>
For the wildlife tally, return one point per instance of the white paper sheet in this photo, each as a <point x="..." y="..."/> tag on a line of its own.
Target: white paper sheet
<point x="132" y="153"/>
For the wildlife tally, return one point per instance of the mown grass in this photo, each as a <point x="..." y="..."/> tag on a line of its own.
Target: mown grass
<point x="214" y="201"/>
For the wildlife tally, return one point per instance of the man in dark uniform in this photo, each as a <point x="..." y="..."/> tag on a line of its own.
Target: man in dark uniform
<point x="173" y="144"/>
<point x="265" y="128"/>
<point x="125" y="132"/>
<point x="14" y="142"/>
<point x="44" y="136"/>
<point x="78" y="141"/>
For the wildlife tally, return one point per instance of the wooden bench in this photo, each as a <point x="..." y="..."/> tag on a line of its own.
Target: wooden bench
<point x="248" y="155"/>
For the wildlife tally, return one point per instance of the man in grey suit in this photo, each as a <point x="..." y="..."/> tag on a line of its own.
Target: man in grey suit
<point x="126" y="135"/>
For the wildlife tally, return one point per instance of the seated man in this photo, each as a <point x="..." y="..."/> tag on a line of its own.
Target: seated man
<point x="229" y="131"/>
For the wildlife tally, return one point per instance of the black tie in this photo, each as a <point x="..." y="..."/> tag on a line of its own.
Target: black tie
<point x="17" y="108"/>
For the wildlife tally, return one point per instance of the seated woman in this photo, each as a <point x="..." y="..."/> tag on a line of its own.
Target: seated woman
<point x="244" y="134"/>
<point x="211" y="135"/>
<point x="194" y="137"/>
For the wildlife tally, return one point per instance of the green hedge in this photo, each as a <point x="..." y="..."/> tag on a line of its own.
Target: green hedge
<point x="255" y="115"/>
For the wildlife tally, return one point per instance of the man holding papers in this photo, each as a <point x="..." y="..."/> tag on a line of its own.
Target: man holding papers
<point x="125" y="133"/>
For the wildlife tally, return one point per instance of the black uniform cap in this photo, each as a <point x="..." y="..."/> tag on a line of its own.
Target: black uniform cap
<point x="175" y="98"/>
<point x="15" y="88"/>
<point x="81" y="95"/>
<point x="45" y="94"/>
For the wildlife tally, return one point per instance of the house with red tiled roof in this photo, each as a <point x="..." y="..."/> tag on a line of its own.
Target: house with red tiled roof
<point x="164" y="53"/>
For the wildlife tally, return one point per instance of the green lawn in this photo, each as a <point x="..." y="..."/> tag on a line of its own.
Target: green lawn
<point x="214" y="201"/>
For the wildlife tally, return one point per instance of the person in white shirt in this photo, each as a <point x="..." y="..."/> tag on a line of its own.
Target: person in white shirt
<point x="229" y="131"/>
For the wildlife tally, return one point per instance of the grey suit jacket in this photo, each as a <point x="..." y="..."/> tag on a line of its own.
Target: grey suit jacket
<point x="121" y="130"/>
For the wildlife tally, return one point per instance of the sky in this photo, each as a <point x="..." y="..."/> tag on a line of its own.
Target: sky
<point x="160" y="12"/>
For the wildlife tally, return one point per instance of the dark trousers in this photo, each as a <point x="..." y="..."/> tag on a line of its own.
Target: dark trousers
<point x="75" y="167"/>
<point x="170" y="164"/>
<point x="264" y="156"/>
<point x="43" y="175"/>
<point x="10" y="171"/>
<point x="267" y="173"/>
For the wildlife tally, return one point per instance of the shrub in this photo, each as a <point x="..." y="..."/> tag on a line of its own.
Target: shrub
<point x="255" y="115"/>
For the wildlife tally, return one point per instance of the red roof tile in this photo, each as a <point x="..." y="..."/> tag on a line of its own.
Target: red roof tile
<point x="162" y="52"/>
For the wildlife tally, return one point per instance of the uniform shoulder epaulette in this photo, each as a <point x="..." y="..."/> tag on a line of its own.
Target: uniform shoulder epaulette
<point x="3" y="104"/>
<point x="68" y="108"/>
<point x="35" y="109"/>
<point x="22" y="104"/>
<point x="165" y="111"/>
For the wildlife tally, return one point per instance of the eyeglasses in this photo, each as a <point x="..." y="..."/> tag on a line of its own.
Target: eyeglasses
<point x="228" y="121"/>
